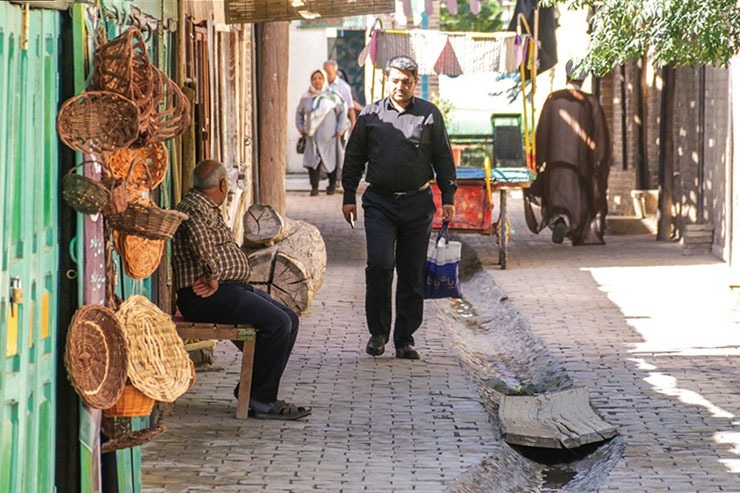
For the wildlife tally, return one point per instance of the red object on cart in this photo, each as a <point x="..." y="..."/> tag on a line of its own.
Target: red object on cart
<point x="473" y="207"/>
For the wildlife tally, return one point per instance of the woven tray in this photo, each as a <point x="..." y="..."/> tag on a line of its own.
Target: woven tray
<point x="140" y="256"/>
<point x="98" y="121"/>
<point x="154" y="155"/>
<point x="170" y="115"/>
<point x="159" y="366"/>
<point x="96" y="356"/>
<point x="132" y="403"/>
<point x="122" y="66"/>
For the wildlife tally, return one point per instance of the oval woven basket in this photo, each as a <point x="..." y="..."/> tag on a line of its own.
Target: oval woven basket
<point x="96" y="356"/>
<point x="154" y="155"/>
<point x="84" y="194"/>
<point x="158" y="365"/>
<point x="130" y="404"/>
<point x="122" y="66"/>
<point x="147" y="220"/>
<point x="140" y="256"/>
<point x="98" y="121"/>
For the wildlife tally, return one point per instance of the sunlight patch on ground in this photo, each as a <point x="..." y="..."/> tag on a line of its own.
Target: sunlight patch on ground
<point x="681" y="309"/>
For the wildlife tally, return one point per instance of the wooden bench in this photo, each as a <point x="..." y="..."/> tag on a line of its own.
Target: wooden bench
<point x="244" y="333"/>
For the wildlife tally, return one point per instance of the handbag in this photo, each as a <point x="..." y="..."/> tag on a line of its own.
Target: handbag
<point x="443" y="266"/>
<point x="300" y="146"/>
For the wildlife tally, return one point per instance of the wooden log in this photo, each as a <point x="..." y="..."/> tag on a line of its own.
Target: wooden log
<point x="292" y="270"/>
<point x="263" y="226"/>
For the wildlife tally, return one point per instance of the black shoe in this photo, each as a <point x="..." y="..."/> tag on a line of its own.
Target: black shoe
<point x="558" y="231"/>
<point x="407" y="352"/>
<point x="314" y="191"/>
<point x="331" y="189"/>
<point x="376" y="345"/>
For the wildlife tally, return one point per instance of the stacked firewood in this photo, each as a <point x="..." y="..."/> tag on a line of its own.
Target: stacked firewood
<point x="287" y="257"/>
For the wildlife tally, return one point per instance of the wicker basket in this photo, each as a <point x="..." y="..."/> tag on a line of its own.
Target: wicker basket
<point x="170" y="114"/>
<point x="96" y="356"/>
<point x="147" y="220"/>
<point x="127" y="439"/>
<point x="140" y="256"/>
<point x="131" y="403"/>
<point x="84" y="194"/>
<point x="122" y="66"/>
<point x="159" y="366"/>
<point x="140" y="178"/>
<point x="98" y="121"/>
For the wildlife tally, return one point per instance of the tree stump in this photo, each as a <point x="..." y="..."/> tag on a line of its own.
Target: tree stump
<point x="263" y="226"/>
<point x="291" y="270"/>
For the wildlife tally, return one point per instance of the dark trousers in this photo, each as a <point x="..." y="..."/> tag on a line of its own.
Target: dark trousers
<point x="276" y="324"/>
<point x="397" y="231"/>
<point x="314" y="175"/>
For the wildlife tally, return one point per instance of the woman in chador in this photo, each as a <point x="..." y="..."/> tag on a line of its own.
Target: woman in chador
<point x="322" y="118"/>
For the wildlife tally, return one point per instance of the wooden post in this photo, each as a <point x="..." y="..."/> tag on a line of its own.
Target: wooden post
<point x="272" y="49"/>
<point x="665" y="199"/>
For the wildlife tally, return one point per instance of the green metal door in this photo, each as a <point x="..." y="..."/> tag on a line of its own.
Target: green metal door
<point x="29" y="248"/>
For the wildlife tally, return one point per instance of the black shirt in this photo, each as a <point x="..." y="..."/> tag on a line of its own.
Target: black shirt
<point x="402" y="150"/>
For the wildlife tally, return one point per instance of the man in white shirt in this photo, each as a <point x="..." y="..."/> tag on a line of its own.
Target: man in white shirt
<point x="342" y="88"/>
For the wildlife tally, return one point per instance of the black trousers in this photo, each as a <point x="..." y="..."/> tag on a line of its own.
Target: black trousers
<point x="397" y="231"/>
<point x="314" y="175"/>
<point x="276" y="324"/>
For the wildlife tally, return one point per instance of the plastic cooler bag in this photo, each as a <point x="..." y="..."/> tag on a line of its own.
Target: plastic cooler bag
<point x="443" y="267"/>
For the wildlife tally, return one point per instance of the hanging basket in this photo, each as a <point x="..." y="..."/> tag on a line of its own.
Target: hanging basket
<point x="122" y="66"/>
<point x="147" y="220"/>
<point x="170" y="114"/>
<point x="142" y="178"/>
<point x="140" y="256"/>
<point x="158" y="365"/>
<point x="98" y="121"/>
<point x="121" y="436"/>
<point x="96" y="356"/>
<point x="82" y="193"/>
<point x="130" y="404"/>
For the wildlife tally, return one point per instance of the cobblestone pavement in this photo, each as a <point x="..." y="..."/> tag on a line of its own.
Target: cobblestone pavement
<point x="652" y="333"/>
<point x="648" y="330"/>
<point x="378" y="425"/>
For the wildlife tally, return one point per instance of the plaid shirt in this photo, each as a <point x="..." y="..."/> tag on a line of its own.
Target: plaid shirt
<point x="204" y="245"/>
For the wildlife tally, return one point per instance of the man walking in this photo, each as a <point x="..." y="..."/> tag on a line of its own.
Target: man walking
<point x="342" y="88"/>
<point x="573" y="153"/>
<point x="401" y="143"/>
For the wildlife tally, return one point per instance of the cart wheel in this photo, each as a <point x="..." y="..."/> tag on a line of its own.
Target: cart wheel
<point x="503" y="231"/>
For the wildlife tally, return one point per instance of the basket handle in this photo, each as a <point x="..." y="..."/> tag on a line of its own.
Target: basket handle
<point x="141" y="160"/>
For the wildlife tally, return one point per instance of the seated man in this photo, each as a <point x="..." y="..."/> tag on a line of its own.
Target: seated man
<point x="211" y="273"/>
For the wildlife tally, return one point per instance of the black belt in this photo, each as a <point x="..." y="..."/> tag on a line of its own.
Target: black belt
<point x="398" y="195"/>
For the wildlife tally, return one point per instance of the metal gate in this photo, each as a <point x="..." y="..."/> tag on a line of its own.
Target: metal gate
<point x="29" y="247"/>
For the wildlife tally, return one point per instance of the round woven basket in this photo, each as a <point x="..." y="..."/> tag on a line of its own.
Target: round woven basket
<point x="140" y="256"/>
<point x="158" y="365"/>
<point x="98" y="121"/>
<point x="84" y="194"/>
<point x="122" y="66"/>
<point x="147" y="220"/>
<point x="155" y="158"/>
<point x="96" y="356"/>
<point x="130" y="404"/>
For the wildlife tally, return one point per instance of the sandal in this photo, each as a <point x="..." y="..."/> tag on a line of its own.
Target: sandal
<point x="282" y="410"/>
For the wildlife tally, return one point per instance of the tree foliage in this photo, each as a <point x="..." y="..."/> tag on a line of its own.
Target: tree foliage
<point x="488" y="20"/>
<point x="670" y="32"/>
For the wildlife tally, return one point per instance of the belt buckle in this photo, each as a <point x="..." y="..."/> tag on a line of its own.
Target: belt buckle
<point x="398" y="195"/>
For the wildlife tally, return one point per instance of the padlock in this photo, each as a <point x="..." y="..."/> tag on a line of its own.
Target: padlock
<point x="16" y="291"/>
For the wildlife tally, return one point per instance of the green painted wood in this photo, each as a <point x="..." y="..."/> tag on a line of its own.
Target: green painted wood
<point x="29" y="248"/>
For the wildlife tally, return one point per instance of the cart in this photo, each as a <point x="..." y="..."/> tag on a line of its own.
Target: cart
<point x="477" y="187"/>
